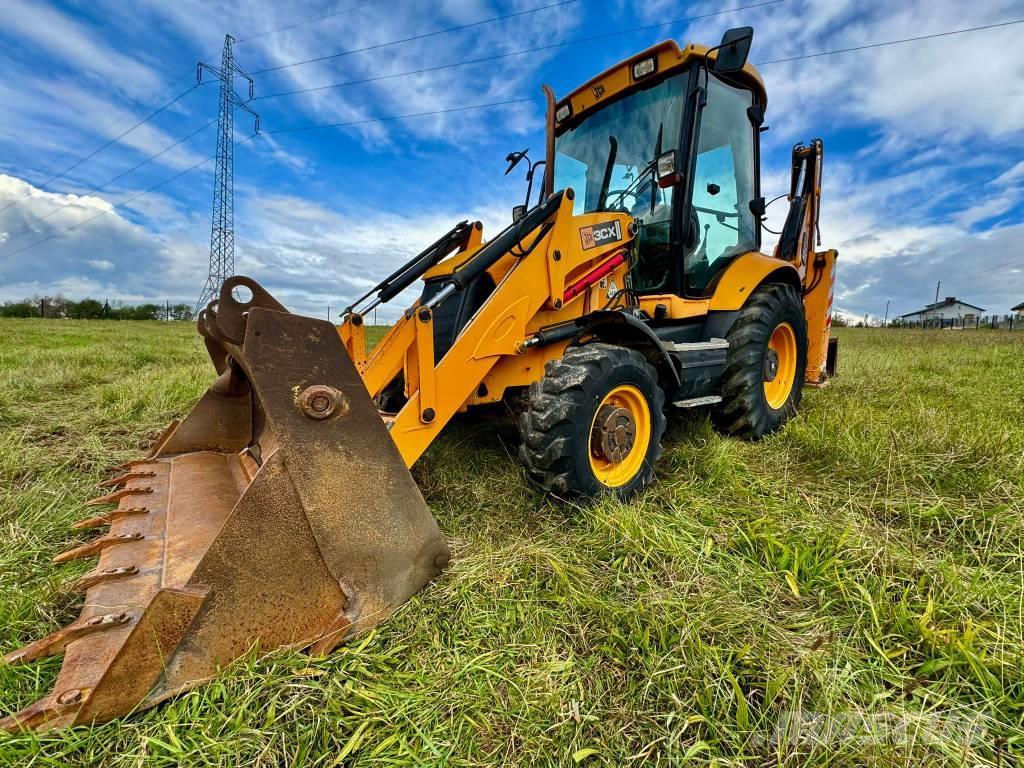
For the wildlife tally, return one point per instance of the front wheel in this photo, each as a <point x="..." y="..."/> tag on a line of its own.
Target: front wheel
<point x="764" y="371"/>
<point x="594" y="423"/>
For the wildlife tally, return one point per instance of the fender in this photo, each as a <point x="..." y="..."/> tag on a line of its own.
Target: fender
<point x="618" y="327"/>
<point x="745" y="274"/>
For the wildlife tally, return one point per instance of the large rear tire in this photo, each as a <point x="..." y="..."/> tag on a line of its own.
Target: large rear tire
<point x="764" y="372"/>
<point x="594" y="423"/>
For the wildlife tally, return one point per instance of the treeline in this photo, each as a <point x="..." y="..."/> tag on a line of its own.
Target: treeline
<point x="91" y="309"/>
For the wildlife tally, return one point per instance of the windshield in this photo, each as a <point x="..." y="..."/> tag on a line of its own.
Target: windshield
<point x="631" y="132"/>
<point x="603" y="159"/>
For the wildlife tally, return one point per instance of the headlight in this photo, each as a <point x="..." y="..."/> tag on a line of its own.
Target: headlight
<point x="645" y="67"/>
<point x="563" y="112"/>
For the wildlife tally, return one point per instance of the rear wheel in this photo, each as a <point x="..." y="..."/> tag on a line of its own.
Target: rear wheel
<point x="763" y="378"/>
<point x="594" y="423"/>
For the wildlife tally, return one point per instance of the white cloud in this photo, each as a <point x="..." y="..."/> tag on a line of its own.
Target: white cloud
<point x="67" y="41"/>
<point x="1011" y="175"/>
<point x="108" y="257"/>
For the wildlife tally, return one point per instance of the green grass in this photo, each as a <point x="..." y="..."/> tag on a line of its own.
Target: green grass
<point x="848" y="592"/>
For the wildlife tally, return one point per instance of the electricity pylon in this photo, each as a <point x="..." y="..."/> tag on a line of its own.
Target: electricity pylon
<point x="222" y="230"/>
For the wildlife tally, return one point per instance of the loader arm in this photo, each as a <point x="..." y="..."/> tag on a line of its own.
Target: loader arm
<point x="545" y="286"/>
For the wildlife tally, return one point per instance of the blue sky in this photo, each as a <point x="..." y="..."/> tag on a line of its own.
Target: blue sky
<point x="924" y="166"/>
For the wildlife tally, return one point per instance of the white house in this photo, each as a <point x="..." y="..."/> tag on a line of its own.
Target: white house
<point x="950" y="308"/>
<point x="1018" y="310"/>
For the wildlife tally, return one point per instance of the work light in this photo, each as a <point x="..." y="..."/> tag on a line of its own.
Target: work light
<point x="645" y="67"/>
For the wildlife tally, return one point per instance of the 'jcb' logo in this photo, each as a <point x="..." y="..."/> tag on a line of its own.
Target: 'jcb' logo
<point x="598" y="91"/>
<point x="599" y="234"/>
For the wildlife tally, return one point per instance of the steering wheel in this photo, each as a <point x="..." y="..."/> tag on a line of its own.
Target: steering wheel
<point x="620" y="195"/>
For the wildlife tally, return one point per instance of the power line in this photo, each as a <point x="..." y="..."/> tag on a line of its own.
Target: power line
<point x="307" y="21"/>
<point x="890" y="42"/>
<point x="515" y="101"/>
<point x="576" y="41"/>
<point x="120" y="119"/>
<point x="421" y="36"/>
<point x="95" y="152"/>
<point x="121" y="204"/>
<point x="108" y="182"/>
<point x="404" y="117"/>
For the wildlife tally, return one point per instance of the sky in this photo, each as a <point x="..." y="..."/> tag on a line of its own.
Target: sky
<point x="924" y="141"/>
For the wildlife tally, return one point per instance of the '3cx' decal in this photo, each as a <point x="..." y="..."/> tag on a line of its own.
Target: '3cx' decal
<point x="599" y="234"/>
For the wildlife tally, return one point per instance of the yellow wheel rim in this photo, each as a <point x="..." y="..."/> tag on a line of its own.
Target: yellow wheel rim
<point x="620" y="434"/>
<point x="780" y="365"/>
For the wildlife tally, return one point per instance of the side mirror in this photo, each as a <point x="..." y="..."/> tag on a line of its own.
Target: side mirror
<point x="518" y="213"/>
<point x="513" y="158"/>
<point x="733" y="52"/>
<point x="668" y="169"/>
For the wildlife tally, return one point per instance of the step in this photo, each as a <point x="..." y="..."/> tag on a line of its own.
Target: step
<point x="696" y="402"/>
<point x="696" y="346"/>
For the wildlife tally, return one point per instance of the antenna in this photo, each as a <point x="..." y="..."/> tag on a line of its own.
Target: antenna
<point x="222" y="230"/>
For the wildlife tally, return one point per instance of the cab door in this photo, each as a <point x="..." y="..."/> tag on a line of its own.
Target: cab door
<point x="718" y="224"/>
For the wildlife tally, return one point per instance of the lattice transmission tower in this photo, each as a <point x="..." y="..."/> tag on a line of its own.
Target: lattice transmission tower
<point x="222" y="230"/>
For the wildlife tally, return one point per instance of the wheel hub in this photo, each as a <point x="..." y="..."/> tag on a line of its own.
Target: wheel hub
<point x="771" y="364"/>
<point x="614" y="433"/>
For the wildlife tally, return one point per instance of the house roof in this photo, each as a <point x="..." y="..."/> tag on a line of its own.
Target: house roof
<point x="1018" y="308"/>
<point x="946" y="302"/>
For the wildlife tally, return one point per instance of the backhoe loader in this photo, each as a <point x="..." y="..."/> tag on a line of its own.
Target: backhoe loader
<point x="281" y="511"/>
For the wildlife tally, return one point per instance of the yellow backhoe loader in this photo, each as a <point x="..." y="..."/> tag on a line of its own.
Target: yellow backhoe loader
<point x="281" y="510"/>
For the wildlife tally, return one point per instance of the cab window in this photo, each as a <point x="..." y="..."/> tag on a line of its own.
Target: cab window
<point x="721" y="225"/>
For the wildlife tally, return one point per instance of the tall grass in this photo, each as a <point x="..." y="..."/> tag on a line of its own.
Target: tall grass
<point x="847" y="592"/>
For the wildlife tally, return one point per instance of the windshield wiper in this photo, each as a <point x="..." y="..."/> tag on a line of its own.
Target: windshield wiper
<point x="642" y="175"/>
<point x="613" y="148"/>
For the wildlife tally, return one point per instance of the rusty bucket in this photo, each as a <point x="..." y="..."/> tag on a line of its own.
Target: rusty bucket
<point x="277" y="513"/>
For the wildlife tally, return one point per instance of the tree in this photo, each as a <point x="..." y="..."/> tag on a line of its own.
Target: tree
<point x="181" y="312"/>
<point x="86" y="309"/>
<point x="19" y="309"/>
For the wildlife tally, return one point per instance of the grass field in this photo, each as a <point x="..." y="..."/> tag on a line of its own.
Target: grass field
<point x="847" y="592"/>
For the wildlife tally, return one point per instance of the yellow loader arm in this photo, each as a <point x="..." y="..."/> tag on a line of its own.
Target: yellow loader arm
<point x="541" y="292"/>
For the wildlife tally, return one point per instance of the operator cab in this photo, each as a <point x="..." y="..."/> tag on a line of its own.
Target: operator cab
<point x="671" y="137"/>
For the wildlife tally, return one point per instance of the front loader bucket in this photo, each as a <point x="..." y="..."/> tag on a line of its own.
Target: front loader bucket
<point x="278" y="513"/>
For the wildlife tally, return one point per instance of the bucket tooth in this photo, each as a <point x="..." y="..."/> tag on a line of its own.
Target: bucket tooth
<point x="96" y="546"/>
<point x="116" y="496"/>
<point x="109" y="517"/>
<point x="153" y="449"/>
<point x="93" y="578"/>
<point x="46" y="711"/>
<point x="120" y="480"/>
<point x="54" y="644"/>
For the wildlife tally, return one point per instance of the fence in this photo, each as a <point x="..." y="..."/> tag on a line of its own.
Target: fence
<point x="977" y="322"/>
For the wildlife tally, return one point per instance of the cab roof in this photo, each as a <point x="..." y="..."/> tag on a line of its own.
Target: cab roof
<point x="670" y="58"/>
